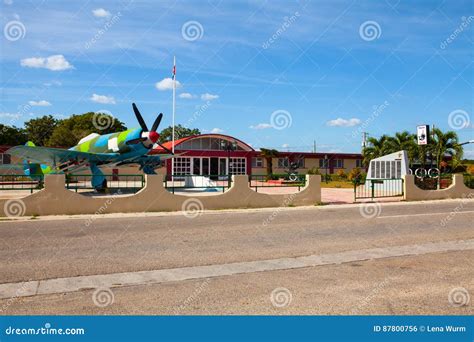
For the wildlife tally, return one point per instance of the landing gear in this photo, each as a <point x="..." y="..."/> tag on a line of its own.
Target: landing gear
<point x="99" y="183"/>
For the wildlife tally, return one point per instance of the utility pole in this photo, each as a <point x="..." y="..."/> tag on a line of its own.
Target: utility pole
<point x="174" y="110"/>
<point x="364" y="139"/>
<point x="314" y="146"/>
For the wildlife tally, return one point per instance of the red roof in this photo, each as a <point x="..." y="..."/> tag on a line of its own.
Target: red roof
<point x="169" y="144"/>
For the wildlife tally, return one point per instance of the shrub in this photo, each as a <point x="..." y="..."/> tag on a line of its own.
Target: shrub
<point x="341" y="174"/>
<point x="314" y="171"/>
<point x="470" y="169"/>
<point x="355" y="174"/>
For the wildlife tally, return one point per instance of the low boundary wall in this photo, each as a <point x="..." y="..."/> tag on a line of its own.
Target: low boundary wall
<point x="456" y="190"/>
<point x="55" y="199"/>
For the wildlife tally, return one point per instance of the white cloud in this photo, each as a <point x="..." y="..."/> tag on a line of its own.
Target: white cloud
<point x="102" y="99"/>
<point x="8" y="2"/>
<point x="52" y="83"/>
<point x="166" y="84"/>
<point x="186" y="96"/>
<point x="101" y="13"/>
<point x="41" y="103"/>
<point x="469" y="154"/>
<point x="340" y="122"/>
<point x="209" y="97"/>
<point x="261" y="126"/>
<point x="10" y="115"/>
<point x="54" y="63"/>
<point x="285" y="145"/>
<point x="217" y="130"/>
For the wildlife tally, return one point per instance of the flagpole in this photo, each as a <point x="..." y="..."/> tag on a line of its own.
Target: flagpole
<point x="174" y="110"/>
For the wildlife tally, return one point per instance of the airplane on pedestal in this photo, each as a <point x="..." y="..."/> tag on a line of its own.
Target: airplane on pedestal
<point x="114" y="149"/>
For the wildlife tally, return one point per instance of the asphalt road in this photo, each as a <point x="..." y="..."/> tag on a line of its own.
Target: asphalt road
<point x="49" y="249"/>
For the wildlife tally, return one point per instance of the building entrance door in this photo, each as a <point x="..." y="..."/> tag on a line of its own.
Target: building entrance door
<point x="214" y="168"/>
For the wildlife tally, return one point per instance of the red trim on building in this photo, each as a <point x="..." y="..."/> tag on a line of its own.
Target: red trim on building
<point x="248" y="154"/>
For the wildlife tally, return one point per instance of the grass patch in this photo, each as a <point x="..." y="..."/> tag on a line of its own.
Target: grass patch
<point x="337" y="185"/>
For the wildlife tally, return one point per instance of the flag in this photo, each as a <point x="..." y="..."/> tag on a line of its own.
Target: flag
<point x="174" y="70"/>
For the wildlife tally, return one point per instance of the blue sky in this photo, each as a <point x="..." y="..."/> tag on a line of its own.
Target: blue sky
<point x="275" y="74"/>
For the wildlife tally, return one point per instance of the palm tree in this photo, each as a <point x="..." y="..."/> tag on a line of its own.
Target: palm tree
<point x="376" y="148"/>
<point x="403" y="141"/>
<point x="445" y="144"/>
<point x="269" y="154"/>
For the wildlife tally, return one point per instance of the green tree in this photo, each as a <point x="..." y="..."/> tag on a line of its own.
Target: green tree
<point x="376" y="148"/>
<point x="12" y="136"/>
<point x="69" y="131"/>
<point x="179" y="132"/>
<point x="269" y="154"/>
<point x="39" y="130"/>
<point x="403" y="141"/>
<point x="445" y="143"/>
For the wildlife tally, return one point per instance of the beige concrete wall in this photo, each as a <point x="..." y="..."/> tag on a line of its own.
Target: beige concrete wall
<point x="259" y="170"/>
<point x="55" y="199"/>
<point x="457" y="190"/>
<point x="349" y="164"/>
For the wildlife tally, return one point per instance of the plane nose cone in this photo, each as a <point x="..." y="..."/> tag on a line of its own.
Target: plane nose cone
<point x="153" y="136"/>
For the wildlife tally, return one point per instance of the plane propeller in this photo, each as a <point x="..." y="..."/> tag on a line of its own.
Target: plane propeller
<point x="150" y="136"/>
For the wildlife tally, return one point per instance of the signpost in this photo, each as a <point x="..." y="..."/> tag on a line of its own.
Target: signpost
<point x="423" y="134"/>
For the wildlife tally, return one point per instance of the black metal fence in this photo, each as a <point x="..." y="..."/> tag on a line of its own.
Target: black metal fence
<point x="277" y="180"/>
<point x="21" y="182"/>
<point x="442" y="181"/>
<point x="377" y="188"/>
<point x="127" y="183"/>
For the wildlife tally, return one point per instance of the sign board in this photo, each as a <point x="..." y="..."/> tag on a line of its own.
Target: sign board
<point x="423" y="134"/>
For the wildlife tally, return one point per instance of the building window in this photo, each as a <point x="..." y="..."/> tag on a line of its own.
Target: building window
<point x="182" y="166"/>
<point x="359" y="163"/>
<point x="324" y="163"/>
<point x="299" y="162"/>
<point x="338" y="163"/>
<point x="257" y="162"/>
<point x="283" y="163"/>
<point x="5" y="159"/>
<point x="237" y="166"/>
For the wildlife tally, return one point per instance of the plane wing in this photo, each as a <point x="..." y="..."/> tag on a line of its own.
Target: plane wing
<point x="146" y="159"/>
<point x="57" y="156"/>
